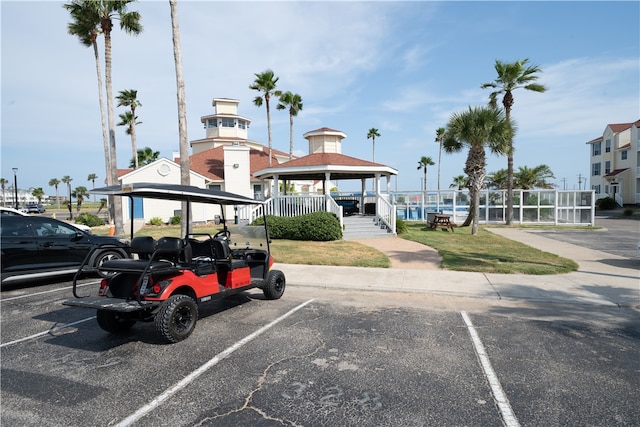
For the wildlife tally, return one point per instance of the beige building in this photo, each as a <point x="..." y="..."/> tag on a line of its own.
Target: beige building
<point x="615" y="163"/>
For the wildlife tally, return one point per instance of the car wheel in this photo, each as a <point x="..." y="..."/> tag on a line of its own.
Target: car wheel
<point x="274" y="288"/>
<point x="102" y="258"/>
<point x="114" y="322"/>
<point x="176" y="318"/>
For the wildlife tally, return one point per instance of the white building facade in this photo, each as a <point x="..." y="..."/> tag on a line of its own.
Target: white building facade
<point x="615" y="163"/>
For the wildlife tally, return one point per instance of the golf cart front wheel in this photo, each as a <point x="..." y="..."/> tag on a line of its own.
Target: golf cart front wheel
<point x="275" y="284"/>
<point x="176" y="318"/>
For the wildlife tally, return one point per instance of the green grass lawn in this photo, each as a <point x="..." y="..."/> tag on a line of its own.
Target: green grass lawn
<point x="487" y="252"/>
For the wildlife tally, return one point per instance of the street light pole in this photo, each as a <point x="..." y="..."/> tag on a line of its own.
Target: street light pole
<point x="15" y="184"/>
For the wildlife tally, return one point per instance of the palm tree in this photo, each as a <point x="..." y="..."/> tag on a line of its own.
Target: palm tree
<point x="80" y="193"/>
<point x="3" y="185"/>
<point x="146" y="156"/>
<point x="439" y="139"/>
<point x="528" y="178"/>
<point x="512" y="76"/>
<point x="476" y="129"/>
<point x="265" y="83"/>
<point x="459" y="182"/>
<point x="497" y="179"/>
<point x="107" y="11"/>
<point x="86" y="25"/>
<point x="372" y="134"/>
<point x="67" y="180"/>
<point x="92" y="177"/>
<point x="293" y="102"/>
<point x="185" y="166"/>
<point x="54" y="182"/>
<point x="129" y="98"/>
<point x="38" y="193"/>
<point x="422" y="164"/>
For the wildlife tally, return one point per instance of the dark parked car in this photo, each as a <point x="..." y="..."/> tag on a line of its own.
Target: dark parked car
<point x="349" y="206"/>
<point x="35" y="247"/>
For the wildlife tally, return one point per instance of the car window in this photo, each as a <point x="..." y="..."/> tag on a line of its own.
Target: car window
<point x="13" y="227"/>
<point x="45" y="227"/>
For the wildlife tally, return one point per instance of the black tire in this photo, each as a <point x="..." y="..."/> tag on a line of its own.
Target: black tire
<point x="102" y="258"/>
<point x="114" y="322"/>
<point x="176" y="318"/>
<point x="275" y="284"/>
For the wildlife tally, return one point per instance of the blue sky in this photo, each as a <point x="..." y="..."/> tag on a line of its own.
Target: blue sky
<point x="401" y="67"/>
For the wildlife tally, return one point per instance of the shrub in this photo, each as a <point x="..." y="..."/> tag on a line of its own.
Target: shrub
<point x="89" y="220"/>
<point x="156" y="220"/>
<point x="606" y="203"/>
<point x="627" y="212"/>
<point x="401" y="226"/>
<point x="317" y="226"/>
<point x="175" y="220"/>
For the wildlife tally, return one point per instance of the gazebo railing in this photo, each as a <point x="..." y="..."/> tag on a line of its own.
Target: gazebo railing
<point x="385" y="214"/>
<point x="292" y="205"/>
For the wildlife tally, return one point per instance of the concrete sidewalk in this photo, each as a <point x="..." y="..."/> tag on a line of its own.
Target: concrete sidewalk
<point x="602" y="278"/>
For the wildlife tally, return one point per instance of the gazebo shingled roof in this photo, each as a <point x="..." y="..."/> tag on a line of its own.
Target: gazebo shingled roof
<point x="316" y="166"/>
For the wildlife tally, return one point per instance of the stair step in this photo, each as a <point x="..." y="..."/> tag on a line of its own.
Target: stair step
<point x="362" y="227"/>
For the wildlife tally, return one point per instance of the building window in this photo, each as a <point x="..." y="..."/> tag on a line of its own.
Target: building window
<point x="623" y="155"/>
<point x="595" y="169"/>
<point x="216" y="187"/>
<point x="596" y="149"/>
<point x="227" y="122"/>
<point x="212" y="123"/>
<point x="242" y="124"/>
<point x="607" y="167"/>
<point x="607" y="147"/>
<point x="596" y="188"/>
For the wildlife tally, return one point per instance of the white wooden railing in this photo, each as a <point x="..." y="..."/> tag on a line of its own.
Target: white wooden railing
<point x="385" y="214"/>
<point x="292" y="205"/>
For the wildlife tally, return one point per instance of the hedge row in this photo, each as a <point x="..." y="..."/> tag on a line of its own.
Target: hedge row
<point x="317" y="226"/>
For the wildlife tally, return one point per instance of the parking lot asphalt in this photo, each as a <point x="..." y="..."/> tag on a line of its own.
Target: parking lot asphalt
<point x="603" y="278"/>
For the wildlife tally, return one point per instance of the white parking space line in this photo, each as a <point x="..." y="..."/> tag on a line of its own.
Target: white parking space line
<point x="50" y="331"/>
<point x="508" y="416"/>
<point x="202" y="369"/>
<point x="47" y="292"/>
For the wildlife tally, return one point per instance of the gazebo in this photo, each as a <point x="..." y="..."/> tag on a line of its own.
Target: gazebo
<point x="325" y="163"/>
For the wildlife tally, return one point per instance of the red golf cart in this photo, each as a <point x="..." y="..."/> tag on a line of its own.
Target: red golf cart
<point x="169" y="277"/>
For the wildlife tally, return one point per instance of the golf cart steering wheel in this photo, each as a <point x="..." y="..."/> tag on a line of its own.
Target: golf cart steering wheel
<point x="222" y="234"/>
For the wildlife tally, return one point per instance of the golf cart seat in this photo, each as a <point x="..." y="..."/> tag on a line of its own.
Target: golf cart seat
<point x="223" y="257"/>
<point x="166" y="255"/>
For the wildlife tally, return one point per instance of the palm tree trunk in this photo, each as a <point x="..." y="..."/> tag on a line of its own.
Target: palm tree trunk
<point x="185" y="166"/>
<point x="439" y="162"/>
<point x="507" y="101"/>
<point x="266" y="96"/>
<point x="290" y="136"/>
<point x="134" y="148"/>
<point x="103" y="121"/>
<point x="116" y="202"/>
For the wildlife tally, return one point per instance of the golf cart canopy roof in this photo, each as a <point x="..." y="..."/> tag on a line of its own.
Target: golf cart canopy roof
<point x="176" y="192"/>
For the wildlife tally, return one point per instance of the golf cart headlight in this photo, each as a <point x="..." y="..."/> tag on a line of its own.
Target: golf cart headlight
<point x="124" y="241"/>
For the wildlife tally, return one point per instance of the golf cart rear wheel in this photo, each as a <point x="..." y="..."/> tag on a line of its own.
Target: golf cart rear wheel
<point x="176" y="318"/>
<point x="114" y="322"/>
<point x="275" y="284"/>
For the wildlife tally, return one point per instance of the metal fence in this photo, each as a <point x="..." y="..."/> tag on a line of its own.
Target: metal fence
<point x="557" y="207"/>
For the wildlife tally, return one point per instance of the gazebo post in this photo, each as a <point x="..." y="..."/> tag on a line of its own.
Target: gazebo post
<point x="276" y="195"/>
<point x="377" y="187"/>
<point x="362" y="194"/>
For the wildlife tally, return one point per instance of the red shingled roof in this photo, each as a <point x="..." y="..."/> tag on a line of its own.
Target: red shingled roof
<point x="210" y="163"/>
<point x="615" y="172"/>
<point x="320" y="159"/>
